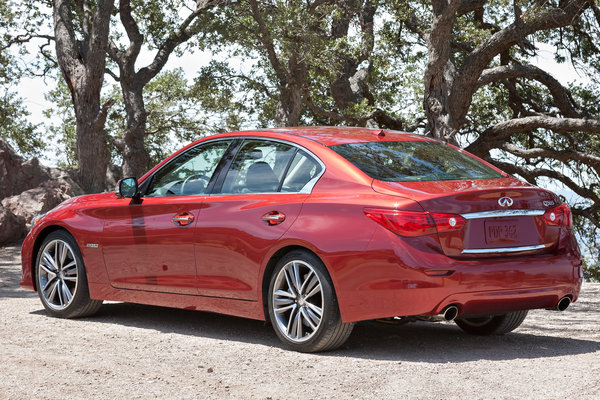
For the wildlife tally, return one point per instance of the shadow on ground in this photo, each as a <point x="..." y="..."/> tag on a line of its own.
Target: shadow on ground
<point x="415" y="342"/>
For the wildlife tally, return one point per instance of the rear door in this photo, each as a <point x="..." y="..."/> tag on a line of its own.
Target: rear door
<point x="255" y="202"/>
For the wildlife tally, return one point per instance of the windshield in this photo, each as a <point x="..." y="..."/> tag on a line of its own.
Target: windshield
<point x="413" y="161"/>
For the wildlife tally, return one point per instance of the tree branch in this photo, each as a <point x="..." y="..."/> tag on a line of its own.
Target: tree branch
<point x="560" y="155"/>
<point x="495" y="135"/>
<point x="465" y="83"/>
<point x="561" y="95"/>
<point x="187" y="29"/>
<point x="66" y="46"/>
<point x="96" y="49"/>
<point x="531" y="176"/>
<point x="267" y="41"/>
<point x="131" y="28"/>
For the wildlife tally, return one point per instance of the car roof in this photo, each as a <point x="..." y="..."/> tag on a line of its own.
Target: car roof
<point x="333" y="135"/>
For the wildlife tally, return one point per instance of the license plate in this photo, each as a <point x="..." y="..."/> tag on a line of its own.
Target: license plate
<point x="501" y="232"/>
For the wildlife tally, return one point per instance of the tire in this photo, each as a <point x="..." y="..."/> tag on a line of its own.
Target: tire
<point x="302" y="305"/>
<point x="492" y="324"/>
<point x="61" y="279"/>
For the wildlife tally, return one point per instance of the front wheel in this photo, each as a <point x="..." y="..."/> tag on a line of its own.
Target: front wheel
<point x="61" y="279"/>
<point x="303" y="307"/>
<point x="492" y="324"/>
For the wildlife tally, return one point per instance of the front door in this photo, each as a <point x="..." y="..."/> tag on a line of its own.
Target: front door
<point x="148" y="243"/>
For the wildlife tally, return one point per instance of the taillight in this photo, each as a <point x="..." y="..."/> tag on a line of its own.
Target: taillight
<point x="559" y="216"/>
<point x="415" y="223"/>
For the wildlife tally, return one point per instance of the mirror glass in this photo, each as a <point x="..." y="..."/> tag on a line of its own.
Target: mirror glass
<point x="128" y="187"/>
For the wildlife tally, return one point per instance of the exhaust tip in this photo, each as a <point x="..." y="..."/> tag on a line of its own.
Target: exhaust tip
<point x="450" y="313"/>
<point x="563" y="303"/>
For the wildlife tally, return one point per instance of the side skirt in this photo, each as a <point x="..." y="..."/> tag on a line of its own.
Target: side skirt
<point x="238" y="308"/>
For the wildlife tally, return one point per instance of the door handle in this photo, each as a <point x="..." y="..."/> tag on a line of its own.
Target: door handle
<point x="183" y="219"/>
<point x="273" y="218"/>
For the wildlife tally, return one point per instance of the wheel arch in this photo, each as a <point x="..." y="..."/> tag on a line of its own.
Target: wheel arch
<point x="43" y="234"/>
<point x="270" y="266"/>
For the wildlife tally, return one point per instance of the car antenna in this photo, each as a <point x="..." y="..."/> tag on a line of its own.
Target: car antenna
<point x="379" y="133"/>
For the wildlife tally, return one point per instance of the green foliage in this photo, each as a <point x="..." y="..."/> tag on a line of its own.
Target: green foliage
<point x="62" y="130"/>
<point x="15" y="126"/>
<point x="174" y="111"/>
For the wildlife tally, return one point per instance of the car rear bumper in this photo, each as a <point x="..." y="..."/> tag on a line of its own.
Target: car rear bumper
<point x="393" y="281"/>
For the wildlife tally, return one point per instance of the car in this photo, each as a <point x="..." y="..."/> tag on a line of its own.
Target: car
<point x="313" y="229"/>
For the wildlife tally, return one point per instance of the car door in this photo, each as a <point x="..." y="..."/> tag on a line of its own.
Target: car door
<point x="256" y="199"/>
<point x="148" y="243"/>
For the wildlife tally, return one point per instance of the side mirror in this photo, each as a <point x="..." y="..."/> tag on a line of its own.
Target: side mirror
<point x="127" y="187"/>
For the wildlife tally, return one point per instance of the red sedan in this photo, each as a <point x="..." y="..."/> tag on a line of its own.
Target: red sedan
<point x="313" y="229"/>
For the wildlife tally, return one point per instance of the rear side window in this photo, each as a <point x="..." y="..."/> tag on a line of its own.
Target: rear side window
<point x="413" y="161"/>
<point x="258" y="167"/>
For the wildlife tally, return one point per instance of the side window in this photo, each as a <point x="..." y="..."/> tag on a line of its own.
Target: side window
<point x="302" y="170"/>
<point x="189" y="173"/>
<point x="258" y="167"/>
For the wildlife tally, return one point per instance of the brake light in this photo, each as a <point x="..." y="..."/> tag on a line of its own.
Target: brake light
<point x="559" y="216"/>
<point x="415" y="223"/>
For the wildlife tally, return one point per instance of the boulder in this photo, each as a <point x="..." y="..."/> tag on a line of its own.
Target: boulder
<point x="28" y="189"/>
<point x="38" y="200"/>
<point x="12" y="227"/>
<point x="16" y="174"/>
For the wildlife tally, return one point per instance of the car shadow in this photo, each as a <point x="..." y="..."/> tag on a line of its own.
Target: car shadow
<point x="444" y="342"/>
<point x="414" y="342"/>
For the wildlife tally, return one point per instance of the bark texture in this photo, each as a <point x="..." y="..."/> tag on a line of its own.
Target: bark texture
<point x="82" y="63"/>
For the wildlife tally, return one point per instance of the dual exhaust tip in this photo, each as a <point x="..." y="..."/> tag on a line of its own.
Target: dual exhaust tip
<point x="451" y="312"/>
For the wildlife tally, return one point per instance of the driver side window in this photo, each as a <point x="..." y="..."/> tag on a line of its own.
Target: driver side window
<point x="189" y="173"/>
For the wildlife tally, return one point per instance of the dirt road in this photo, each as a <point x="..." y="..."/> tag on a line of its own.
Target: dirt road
<point x="130" y="351"/>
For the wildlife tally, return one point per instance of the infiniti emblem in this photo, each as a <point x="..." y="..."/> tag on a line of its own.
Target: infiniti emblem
<point x="505" y="201"/>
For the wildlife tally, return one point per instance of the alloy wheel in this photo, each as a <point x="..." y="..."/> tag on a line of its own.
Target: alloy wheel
<point x="58" y="274"/>
<point x="298" y="301"/>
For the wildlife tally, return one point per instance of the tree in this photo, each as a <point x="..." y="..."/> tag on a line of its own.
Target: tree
<point x="174" y="114"/>
<point x="81" y="37"/>
<point x="14" y="123"/>
<point x="156" y="25"/>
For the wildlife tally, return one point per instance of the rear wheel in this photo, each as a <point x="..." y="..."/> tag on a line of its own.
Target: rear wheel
<point x="302" y="305"/>
<point x="492" y="324"/>
<point x="61" y="279"/>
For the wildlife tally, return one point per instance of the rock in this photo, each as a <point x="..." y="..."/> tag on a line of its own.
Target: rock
<point x="65" y="178"/>
<point x="28" y="188"/>
<point x="12" y="227"/>
<point x="17" y="175"/>
<point x="38" y="200"/>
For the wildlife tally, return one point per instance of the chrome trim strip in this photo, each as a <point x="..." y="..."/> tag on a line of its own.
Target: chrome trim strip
<point x="503" y="249"/>
<point x="502" y="213"/>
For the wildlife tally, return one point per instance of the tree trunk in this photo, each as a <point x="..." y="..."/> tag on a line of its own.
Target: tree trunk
<point x="438" y="74"/>
<point x="92" y="152"/>
<point x="136" y="159"/>
<point x="82" y="63"/>
<point x="289" y="106"/>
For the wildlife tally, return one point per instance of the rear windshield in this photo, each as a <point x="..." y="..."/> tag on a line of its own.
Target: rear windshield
<point x="413" y="161"/>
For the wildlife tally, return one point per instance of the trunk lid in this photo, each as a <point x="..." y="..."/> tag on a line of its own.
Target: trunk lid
<point x="503" y="216"/>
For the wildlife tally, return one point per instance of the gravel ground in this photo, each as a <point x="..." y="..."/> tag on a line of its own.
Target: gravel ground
<point x="133" y="351"/>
